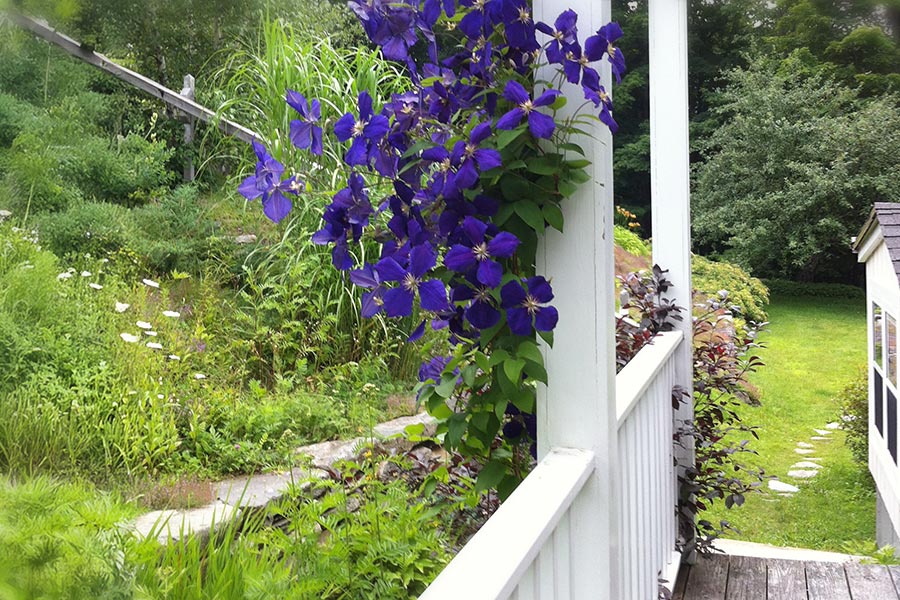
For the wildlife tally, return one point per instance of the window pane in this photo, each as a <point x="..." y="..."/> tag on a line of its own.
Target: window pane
<point x="879" y="401"/>
<point x="877" y="336"/>
<point x="892" y="350"/>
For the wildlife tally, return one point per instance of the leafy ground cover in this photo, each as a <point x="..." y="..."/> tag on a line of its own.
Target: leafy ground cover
<point x="814" y="347"/>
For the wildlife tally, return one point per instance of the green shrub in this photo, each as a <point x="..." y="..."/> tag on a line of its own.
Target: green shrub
<point x="61" y="540"/>
<point x="97" y="228"/>
<point x="630" y="241"/>
<point x="746" y="292"/>
<point x="854" y="406"/>
<point x="15" y="116"/>
<point x="782" y="287"/>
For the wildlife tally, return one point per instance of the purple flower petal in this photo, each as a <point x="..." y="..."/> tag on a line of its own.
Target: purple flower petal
<point x="515" y="93"/>
<point x="546" y="319"/>
<point x="547" y="98"/>
<point x="482" y="315"/>
<point x="490" y="273"/>
<point x="343" y="129"/>
<point x="540" y="125"/>
<point x="371" y="303"/>
<point x="480" y="133"/>
<point x="487" y="159"/>
<point x="417" y="333"/>
<point x="422" y="259"/>
<point x="519" y="321"/>
<point x="460" y="259"/>
<point x="376" y="128"/>
<point x="503" y="245"/>
<point x="398" y="302"/>
<point x="433" y="295"/>
<point x="512" y="295"/>
<point x="390" y="270"/>
<point x="511" y="119"/>
<point x="249" y="189"/>
<point x="277" y="206"/>
<point x="539" y="289"/>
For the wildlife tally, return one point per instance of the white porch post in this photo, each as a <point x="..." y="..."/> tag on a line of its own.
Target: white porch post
<point x="579" y="409"/>
<point x="670" y="172"/>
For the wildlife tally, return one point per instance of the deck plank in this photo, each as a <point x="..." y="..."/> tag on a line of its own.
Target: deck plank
<point x="870" y="581"/>
<point x="826" y="581"/>
<point x="785" y="579"/>
<point x="746" y="578"/>
<point x="708" y="579"/>
<point x="684" y="573"/>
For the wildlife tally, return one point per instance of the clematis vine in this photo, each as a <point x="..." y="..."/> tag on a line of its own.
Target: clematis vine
<point x="445" y="191"/>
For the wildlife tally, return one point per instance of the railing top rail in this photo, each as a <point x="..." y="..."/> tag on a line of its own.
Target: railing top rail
<point x="633" y="380"/>
<point x="157" y="90"/>
<point x="492" y="563"/>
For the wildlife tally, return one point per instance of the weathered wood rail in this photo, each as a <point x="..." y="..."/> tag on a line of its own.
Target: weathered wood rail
<point x="174" y="99"/>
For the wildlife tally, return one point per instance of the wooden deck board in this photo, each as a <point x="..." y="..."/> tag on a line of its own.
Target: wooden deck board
<point x="870" y="581"/>
<point x="708" y="579"/>
<point x="785" y="580"/>
<point x="826" y="581"/>
<point x="743" y="578"/>
<point x="746" y="578"/>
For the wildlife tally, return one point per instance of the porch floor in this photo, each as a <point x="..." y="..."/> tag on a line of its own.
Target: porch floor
<point x="724" y="577"/>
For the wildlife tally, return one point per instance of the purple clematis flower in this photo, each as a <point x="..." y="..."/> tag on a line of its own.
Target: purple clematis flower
<point x="396" y="32"/>
<point x="600" y="98"/>
<point x="576" y="69"/>
<point x="604" y="41"/>
<point x="304" y="131"/>
<point x="520" y="27"/>
<point x="267" y="185"/>
<point x="469" y="155"/>
<point x="365" y="131"/>
<point x="479" y="253"/>
<point x="398" y="301"/>
<point x="482" y="17"/>
<point x="524" y="308"/>
<point x="355" y="200"/>
<point x="564" y="33"/>
<point x="540" y="125"/>
<point x="368" y="278"/>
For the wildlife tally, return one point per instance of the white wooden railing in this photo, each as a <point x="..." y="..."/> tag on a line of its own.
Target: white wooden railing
<point x="648" y="484"/>
<point x="523" y="551"/>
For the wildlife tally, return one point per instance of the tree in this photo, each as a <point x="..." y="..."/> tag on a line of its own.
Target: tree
<point x="794" y="170"/>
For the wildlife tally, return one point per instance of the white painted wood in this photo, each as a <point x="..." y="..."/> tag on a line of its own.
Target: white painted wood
<point x="647" y="478"/>
<point x="670" y="175"/>
<point x="503" y="553"/>
<point x="578" y="409"/>
<point x="641" y="372"/>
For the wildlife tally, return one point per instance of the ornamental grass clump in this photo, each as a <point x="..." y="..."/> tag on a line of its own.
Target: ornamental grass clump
<point x="456" y="179"/>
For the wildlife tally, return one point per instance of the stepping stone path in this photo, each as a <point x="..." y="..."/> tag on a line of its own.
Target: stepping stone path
<point x="255" y="492"/>
<point x="806" y="468"/>
<point x="780" y="486"/>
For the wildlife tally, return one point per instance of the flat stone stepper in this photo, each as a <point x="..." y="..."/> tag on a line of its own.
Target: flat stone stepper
<point x="241" y="495"/>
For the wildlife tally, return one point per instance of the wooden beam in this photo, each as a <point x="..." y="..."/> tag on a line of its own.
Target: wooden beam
<point x="172" y="98"/>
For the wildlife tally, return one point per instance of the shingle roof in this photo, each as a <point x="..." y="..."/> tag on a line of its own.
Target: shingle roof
<point x="887" y="216"/>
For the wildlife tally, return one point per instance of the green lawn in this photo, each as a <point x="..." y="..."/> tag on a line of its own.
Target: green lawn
<point x="814" y="347"/>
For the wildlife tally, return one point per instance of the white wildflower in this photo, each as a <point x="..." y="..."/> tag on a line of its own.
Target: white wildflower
<point x="174" y="357"/>
<point x="121" y="307"/>
<point x="199" y="376"/>
<point x="86" y="273"/>
<point x="144" y="325"/>
<point x="171" y="314"/>
<point x="150" y="283"/>
<point x="65" y="275"/>
<point x="160" y="396"/>
<point x="95" y="286"/>
<point x="154" y="345"/>
<point x="131" y="339"/>
<point x="150" y="333"/>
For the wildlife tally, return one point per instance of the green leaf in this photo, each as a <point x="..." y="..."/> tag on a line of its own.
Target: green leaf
<point x="572" y="148"/>
<point x="547" y="336"/>
<point x="529" y="350"/>
<point x="559" y="102"/>
<point x="498" y="357"/>
<point x="579" y="176"/>
<point x="503" y="214"/>
<point x="445" y="388"/>
<point x="536" y="371"/>
<point x="456" y="429"/>
<point x="490" y="476"/>
<point x="507" y="137"/>
<point x="553" y="215"/>
<point x="513" y="369"/>
<point x="515" y="187"/>
<point x="482" y="361"/>
<point x="566" y="187"/>
<point x="468" y="375"/>
<point x="531" y="214"/>
<point x="578" y="164"/>
<point x="437" y="408"/>
<point x="506" y="487"/>
<point x="543" y="165"/>
<point x="524" y="399"/>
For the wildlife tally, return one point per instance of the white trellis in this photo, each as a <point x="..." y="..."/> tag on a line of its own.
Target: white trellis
<point x="595" y="520"/>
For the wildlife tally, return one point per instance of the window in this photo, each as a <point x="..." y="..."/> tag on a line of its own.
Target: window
<point x="892" y="425"/>
<point x="877" y="335"/>
<point x="878" y="384"/>
<point x="892" y="350"/>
